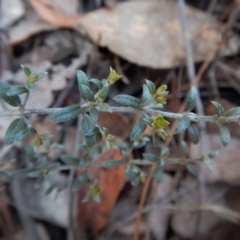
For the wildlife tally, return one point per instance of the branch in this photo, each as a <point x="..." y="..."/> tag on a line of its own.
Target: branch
<point x="193" y="117"/>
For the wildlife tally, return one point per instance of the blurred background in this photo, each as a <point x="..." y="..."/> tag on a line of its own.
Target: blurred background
<point x="172" y="42"/>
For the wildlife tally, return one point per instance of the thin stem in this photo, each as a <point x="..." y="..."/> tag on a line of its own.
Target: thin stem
<point x="193" y="117"/>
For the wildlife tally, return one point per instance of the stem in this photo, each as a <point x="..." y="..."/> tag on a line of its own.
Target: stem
<point x="193" y="117"/>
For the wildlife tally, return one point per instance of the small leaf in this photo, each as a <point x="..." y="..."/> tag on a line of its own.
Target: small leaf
<point x="80" y="181"/>
<point x="40" y="76"/>
<point x="127" y="100"/>
<point x="87" y="125"/>
<point x="26" y="70"/>
<point x="213" y="154"/>
<point x="22" y="135"/>
<point x="151" y="86"/>
<point x="183" y="124"/>
<point x="93" y="114"/>
<point x="54" y="166"/>
<point x="82" y="78"/>
<point x="13" y="100"/>
<point x="14" y="128"/>
<point x="30" y="86"/>
<point x="112" y="164"/>
<point x="93" y="139"/>
<point x="17" y="91"/>
<point x="86" y="93"/>
<point x="150" y="157"/>
<point x="191" y="99"/>
<point x="35" y="174"/>
<point x="21" y="173"/>
<point x="192" y="169"/>
<point x="146" y="95"/>
<point x="69" y="160"/>
<point x="218" y="108"/>
<point x="131" y="173"/>
<point x="113" y="77"/>
<point x="46" y="136"/>
<point x="97" y="82"/>
<point x="184" y="148"/>
<point x="158" y="174"/>
<point x="149" y="121"/>
<point x="39" y="182"/>
<point x="232" y="112"/>
<point x="156" y="139"/>
<point x="193" y="133"/>
<point x="104" y="107"/>
<point x="225" y="135"/>
<point x="138" y="129"/>
<point x="164" y="152"/>
<point x="66" y="114"/>
<point x="103" y="92"/>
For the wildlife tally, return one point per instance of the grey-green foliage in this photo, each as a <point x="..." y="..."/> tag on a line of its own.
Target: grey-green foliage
<point x="94" y="135"/>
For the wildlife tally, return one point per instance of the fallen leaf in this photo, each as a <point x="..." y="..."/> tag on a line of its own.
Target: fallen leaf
<point x="149" y="33"/>
<point x="156" y="41"/>
<point x="93" y="216"/>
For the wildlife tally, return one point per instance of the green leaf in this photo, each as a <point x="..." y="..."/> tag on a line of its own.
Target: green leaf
<point x="164" y="152"/>
<point x="225" y="135"/>
<point x="26" y="70"/>
<point x="183" y="124"/>
<point x="35" y="173"/>
<point x="146" y="95"/>
<point x="131" y="173"/>
<point x="39" y="182"/>
<point x="13" y="100"/>
<point x="14" y="128"/>
<point x="156" y="139"/>
<point x="30" y="86"/>
<point x="87" y="125"/>
<point x="69" y="160"/>
<point x="93" y="114"/>
<point x="41" y="75"/>
<point x="103" y="92"/>
<point x="16" y="91"/>
<point x="80" y="181"/>
<point x="150" y="157"/>
<point x="66" y="114"/>
<point x="193" y="133"/>
<point x="97" y="82"/>
<point x="218" y="108"/>
<point x="192" y="169"/>
<point x="86" y="93"/>
<point x="213" y="154"/>
<point x="127" y="100"/>
<point x="93" y="139"/>
<point x="112" y="164"/>
<point x="113" y="77"/>
<point x="151" y="86"/>
<point x="54" y="166"/>
<point x="232" y="112"/>
<point x="138" y="129"/>
<point x="82" y="78"/>
<point x="46" y="136"/>
<point x="184" y="148"/>
<point x="104" y="107"/>
<point x="21" y="173"/>
<point x="158" y="175"/>
<point x="22" y="135"/>
<point x="191" y="99"/>
<point x="149" y="121"/>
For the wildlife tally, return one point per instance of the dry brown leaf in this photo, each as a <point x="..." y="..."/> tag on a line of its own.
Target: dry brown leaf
<point x="55" y="17"/>
<point x="158" y="219"/>
<point x="149" y="33"/>
<point x="156" y="41"/>
<point x="93" y="216"/>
